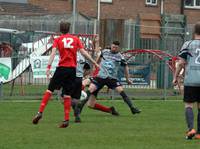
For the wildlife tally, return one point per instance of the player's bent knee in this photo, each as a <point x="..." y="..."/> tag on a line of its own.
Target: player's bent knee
<point x="66" y="96"/>
<point x="92" y="88"/>
<point x="91" y="103"/>
<point x="119" y="89"/>
<point x="188" y="105"/>
<point x="49" y="91"/>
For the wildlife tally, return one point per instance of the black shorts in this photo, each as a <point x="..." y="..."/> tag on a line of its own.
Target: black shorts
<point x="77" y="88"/>
<point x="109" y="82"/>
<point x="191" y="94"/>
<point x="64" y="78"/>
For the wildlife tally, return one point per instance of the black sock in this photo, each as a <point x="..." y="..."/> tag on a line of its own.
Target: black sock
<point x="82" y="104"/>
<point x="74" y="104"/>
<point x="76" y="110"/>
<point x="189" y="117"/>
<point x="198" y="122"/>
<point x="126" y="99"/>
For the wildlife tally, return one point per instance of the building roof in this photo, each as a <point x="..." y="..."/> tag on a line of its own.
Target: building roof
<point x="20" y="9"/>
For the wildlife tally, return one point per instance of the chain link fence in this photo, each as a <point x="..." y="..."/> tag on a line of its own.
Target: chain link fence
<point x="160" y="75"/>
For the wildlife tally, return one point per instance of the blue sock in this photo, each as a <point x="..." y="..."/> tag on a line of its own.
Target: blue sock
<point x="189" y="117"/>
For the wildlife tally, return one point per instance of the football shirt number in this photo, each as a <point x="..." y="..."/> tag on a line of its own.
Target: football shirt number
<point x="68" y="42"/>
<point x="197" y="60"/>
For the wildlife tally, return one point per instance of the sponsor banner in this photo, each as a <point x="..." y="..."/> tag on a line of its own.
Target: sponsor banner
<point x="139" y="74"/>
<point x="5" y="69"/>
<point x="39" y="66"/>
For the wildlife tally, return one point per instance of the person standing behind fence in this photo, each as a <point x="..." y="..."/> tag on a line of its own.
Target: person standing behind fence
<point x="5" y="50"/>
<point x="190" y="61"/>
<point x="110" y="61"/>
<point x="65" y="74"/>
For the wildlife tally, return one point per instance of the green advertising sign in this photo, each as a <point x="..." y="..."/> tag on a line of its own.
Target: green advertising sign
<point x="4" y="71"/>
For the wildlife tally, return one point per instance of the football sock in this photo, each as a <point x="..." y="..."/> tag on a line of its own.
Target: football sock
<point x="126" y="99"/>
<point x="189" y="115"/>
<point x="198" y="122"/>
<point x="82" y="104"/>
<point x="82" y="87"/>
<point x="75" y="103"/>
<point x="101" y="108"/>
<point x="76" y="111"/>
<point x="67" y="107"/>
<point x="45" y="99"/>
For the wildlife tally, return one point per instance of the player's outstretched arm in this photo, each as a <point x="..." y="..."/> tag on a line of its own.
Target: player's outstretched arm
<point x="51" y="58"/>
<point x="126" y="72"/>
<point x="84" y="53"/>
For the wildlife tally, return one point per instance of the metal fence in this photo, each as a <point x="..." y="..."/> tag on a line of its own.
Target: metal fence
<point x="128" y="31"/>
<point x="160" y="86"/>
<point x="86" y="27"/>
<point x="26" y="86"/>
<point x="160" y="76"/>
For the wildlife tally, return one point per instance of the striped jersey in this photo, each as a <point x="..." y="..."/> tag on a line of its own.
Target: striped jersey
<point x="80" y="63"/>
<point x="190" y="51"/>
<point x="110" y="64"/>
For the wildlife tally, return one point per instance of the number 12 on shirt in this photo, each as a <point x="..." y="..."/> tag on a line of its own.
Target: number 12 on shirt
<point x="68" y="43"/>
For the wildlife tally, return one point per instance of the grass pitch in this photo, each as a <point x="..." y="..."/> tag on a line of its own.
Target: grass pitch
<point x="161" y="125"/>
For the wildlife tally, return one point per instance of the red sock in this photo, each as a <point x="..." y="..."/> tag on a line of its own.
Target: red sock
<point x="101" y="108"/>
<point x="45" y="99"/>
<point x="67" y="107"/>
<point x="83" y="87"/>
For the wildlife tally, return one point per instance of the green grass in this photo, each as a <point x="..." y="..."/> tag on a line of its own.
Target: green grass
<point x="161" y="125"/>
<point x="36" y="91"/>
<point x="25" y="89"/>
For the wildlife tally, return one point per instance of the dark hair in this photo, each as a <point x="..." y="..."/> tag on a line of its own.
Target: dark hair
<point x="197" y="28"/>
<point x="116" y="43"/>
<point x="64" y="27"/>
<point x="107" y="47"/>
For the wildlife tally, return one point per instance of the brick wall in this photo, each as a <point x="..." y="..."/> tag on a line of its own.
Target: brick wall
<point x="119" y="9"/>
<point x="172" y="6"/>
<point x="54" y="6"/>
<point x="192" y="15"/>
<point x="87" y="7"/>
